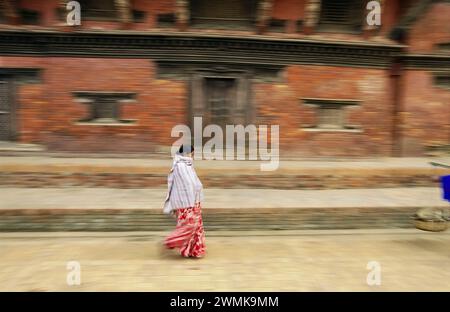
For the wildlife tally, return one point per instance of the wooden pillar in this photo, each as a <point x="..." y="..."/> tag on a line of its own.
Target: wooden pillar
<point x="182" y="13"/>
<point x="264" y="14"/>
<point x="124" y="13"/>
<point x="396" y="87"/>
<point x="312" y="15"/>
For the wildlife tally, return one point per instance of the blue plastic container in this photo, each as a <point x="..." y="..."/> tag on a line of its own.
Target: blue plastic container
<point x="445" y="181"/>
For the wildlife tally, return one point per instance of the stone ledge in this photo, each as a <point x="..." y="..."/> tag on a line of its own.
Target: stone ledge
<point x="6" y="146"/>
<point x="63" y="220"/>
<point x="311" y="179"/>
<point x="151" y="199"/>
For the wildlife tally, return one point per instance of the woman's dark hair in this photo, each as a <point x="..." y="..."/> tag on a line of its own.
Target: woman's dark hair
<point x="186" y="149"/>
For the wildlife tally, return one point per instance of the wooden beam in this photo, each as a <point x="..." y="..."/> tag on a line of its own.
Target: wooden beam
<point x="211" y="49"/>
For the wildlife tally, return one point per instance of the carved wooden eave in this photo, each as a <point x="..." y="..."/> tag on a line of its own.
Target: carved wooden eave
<point x="426" y="61"/>
<point x="189" y="47"/>
<point x="184" y="70"/>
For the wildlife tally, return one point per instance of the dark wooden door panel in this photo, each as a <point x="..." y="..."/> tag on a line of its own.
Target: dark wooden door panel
<point x="221" y="98"/>
<point x="5" y="111"/>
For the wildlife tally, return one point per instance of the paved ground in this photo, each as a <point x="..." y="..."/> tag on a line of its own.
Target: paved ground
<point x="110" y="198"/>
<point x="260" y="261"/>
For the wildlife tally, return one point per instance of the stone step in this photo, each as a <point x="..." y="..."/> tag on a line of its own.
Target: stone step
<point x="61" y="220"/>
<point x="103" y="209"/>
<point x="241" y="200"/>
<point x="142" y="173"/>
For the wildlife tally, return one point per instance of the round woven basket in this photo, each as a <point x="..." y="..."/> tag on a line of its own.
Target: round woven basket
<point x="432" y="226"/>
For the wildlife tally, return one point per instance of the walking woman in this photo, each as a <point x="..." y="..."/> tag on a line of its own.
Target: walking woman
<point x="183" y="201"/>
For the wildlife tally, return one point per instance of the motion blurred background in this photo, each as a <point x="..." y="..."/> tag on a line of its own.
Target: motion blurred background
<point x="86" y="114"/>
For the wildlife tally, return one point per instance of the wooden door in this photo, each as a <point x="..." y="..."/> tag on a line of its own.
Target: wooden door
<point x="6" y="110"/>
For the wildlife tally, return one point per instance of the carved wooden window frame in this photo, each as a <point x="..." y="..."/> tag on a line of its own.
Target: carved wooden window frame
<point x="88" y="13"/>
<point x="340" y="105"/>
<point x="214" y="22"/>
<point x="441" y="79"/>
<point x="356" y="15"/>
<point x="94" y="99"/>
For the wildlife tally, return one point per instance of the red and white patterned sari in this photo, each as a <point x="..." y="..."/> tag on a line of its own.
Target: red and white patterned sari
<point x="189" y="235"/>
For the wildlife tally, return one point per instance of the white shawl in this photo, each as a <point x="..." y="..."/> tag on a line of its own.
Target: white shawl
<point x="184" y="186"/>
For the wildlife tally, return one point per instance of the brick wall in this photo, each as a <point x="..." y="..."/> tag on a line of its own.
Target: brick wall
<point x="282" y="104"/>
<point x="431" y="29"/>
<point x="426" y="107"/>
<point x="426" y="113"/>
<point x="48" y="112"/>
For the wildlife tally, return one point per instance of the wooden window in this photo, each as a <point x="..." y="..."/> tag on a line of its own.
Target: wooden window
<point x="166" y="20"/>
<point x="217" y="13"/>
<point x="98" y="9"/>
<point x="105" y="110"/>
<point x="104" y="107"/>
<point x="30" y="17"/>
<point x="442" y="80"/>
<point x="60" y="13"/>
<point x="444" y="47"/>
<point x="139" y="16"/>
<point x="342" y="15"/>
<point x="330" y="117"/>
<point x="3" y="18"/>
<point x="331" y="113"/>
<point x="300" y="26"/>
<point x="277" y="25"/>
